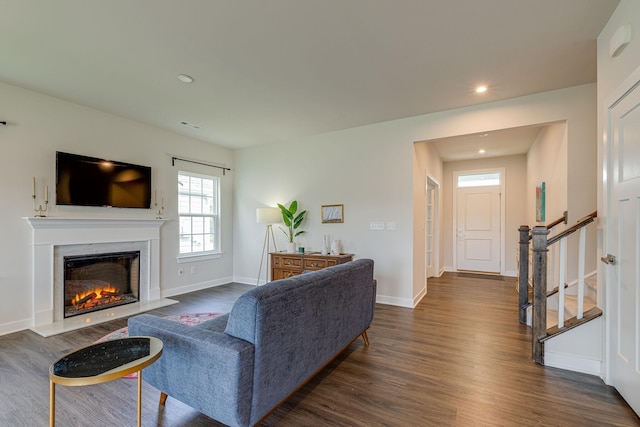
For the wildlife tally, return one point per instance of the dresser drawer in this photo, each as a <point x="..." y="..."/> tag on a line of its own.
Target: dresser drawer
<point x="315" y="263"/>
<point x="286" y="261"/>
<point x="282" y="273"/>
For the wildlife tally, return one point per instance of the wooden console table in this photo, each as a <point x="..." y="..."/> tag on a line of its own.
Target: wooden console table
<point x="285" y="264"/>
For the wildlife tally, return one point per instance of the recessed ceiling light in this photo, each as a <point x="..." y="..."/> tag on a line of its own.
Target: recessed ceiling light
<point x="185" y="78"/>
<point x="483" y="135"/>
<point x="481" y="89"/>
<point x="482" y="151"/>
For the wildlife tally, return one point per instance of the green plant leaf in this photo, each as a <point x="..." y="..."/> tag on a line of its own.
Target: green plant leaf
<point x="286" y="215"/>
<point x="298" y="219"/>
<point x="291" y="220"/>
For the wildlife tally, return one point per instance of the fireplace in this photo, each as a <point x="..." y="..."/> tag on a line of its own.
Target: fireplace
<point x="100" y="281"/>
<point x="56" y="238"/>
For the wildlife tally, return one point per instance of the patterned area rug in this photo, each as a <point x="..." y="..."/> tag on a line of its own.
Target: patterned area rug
<point x="188" y="319"/>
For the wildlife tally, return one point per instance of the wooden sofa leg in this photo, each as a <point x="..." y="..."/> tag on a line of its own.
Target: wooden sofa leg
<point x="365" y="338"/>
<point x="163" y="398"/>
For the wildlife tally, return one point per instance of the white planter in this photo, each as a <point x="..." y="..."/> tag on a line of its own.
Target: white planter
<point x="291" y="247"/>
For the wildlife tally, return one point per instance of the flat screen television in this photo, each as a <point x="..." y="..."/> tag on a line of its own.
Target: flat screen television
<point x="89" y="181"/>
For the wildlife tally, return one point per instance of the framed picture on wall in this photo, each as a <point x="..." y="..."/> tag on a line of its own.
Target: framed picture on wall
<point x="332" y="214"/>
<point x="540" y="202"/>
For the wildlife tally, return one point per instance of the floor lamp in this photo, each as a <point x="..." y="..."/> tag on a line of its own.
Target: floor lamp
<point x="267" y="216"/>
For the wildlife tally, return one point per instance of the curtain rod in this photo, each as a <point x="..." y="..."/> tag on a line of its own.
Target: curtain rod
<point x="224" y="170"/>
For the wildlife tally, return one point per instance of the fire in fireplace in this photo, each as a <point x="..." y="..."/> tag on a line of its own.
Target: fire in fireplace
<point x="100" y="281"/>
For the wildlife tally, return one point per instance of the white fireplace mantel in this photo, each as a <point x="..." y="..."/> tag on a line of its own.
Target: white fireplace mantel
<point x="51" y="234"/>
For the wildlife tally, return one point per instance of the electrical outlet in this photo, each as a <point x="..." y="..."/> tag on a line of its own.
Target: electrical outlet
<point x="391" y="225"/>
<point x="193" y="269"/>
<point x="376" y="225"/>
<point x="181" y="272"/>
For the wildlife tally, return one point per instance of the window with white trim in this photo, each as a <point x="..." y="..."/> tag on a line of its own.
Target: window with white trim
<point x="479" y="179"/>
<point x="199" y="213"/>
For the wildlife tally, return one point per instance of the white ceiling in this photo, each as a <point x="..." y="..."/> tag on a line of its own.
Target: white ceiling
<point x="504" y="142"/>
<point x="274" y="70"/>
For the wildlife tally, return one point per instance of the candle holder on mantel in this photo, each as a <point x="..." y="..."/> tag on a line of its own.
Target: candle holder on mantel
<point x="160" y="211"/>
<point x="40" y="211"/>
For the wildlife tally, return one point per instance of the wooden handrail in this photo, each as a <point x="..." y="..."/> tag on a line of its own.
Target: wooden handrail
<point x="581" y="223"/>
<point x="563" y="219"/>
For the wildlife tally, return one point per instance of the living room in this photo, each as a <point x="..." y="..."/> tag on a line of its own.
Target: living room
<point x="376" y="170"/>
<point x="39" y="126"/>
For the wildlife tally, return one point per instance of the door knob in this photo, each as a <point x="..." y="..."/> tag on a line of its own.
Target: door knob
<point x="609" y="259"/>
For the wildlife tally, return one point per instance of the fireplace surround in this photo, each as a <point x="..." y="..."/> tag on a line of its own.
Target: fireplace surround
<point x="55" y="238"/>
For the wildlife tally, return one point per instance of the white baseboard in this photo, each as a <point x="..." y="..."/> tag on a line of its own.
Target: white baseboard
<point x="11" y="327"/>
<point x="195" y="287"/>
<point x="418" y="298"/>
<point x="250" y="281"/>
<point x="573" y="363"/>
<point x="400" y="302"/>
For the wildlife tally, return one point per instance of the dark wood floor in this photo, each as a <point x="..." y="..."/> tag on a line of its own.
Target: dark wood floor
<point x="459" y="359"/>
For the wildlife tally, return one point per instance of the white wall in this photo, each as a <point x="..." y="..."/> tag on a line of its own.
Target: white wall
<point x="38" y="126"/>
<point x="547" y="161"/>
<point x="369" y="169"/>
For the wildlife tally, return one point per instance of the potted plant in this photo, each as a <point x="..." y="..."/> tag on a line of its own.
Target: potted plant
<point x="292" y="222"/>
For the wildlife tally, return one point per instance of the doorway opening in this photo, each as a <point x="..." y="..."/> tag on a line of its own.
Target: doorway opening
<point x="432" y="228"/>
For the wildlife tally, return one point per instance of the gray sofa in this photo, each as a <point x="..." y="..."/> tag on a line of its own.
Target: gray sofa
<point x="239" y="367"/>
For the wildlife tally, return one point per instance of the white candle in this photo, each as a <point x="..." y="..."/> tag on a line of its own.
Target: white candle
<point x="34" y="187"/>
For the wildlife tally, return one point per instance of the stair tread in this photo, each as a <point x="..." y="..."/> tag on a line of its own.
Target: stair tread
<point x="571" y="304"/>
<point x="572" y="323"/>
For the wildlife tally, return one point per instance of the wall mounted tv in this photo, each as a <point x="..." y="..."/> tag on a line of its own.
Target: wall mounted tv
<point x="89" y="181"/>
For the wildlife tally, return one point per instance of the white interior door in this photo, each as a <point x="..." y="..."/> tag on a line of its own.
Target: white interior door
<point x="624" y="243"/>
<point x="430" y="228"/>
<point x="478" y="233"/>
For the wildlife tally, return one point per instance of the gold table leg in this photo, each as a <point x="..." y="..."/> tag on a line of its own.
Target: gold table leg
<point x="52" y="404"/>
<point x="140" y="398"/>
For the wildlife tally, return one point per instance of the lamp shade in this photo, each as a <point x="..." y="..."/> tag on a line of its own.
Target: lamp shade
<point x="268" y="215"/>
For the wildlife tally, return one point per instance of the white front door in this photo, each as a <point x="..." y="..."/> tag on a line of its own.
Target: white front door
<point x="623" y="135"/>
<point x="478" y="233"/>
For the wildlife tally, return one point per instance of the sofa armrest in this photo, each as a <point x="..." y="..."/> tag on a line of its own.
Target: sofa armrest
<point x="209" y="371"/>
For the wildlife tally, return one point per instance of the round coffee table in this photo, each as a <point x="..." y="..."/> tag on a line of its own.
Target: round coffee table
<point x="102" y="362"/>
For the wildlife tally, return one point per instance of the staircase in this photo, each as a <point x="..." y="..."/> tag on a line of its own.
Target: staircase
<point x="570" y="301"/>
<point x="544" y="260"/>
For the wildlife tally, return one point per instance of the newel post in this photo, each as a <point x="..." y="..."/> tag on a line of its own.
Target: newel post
<point x="523" y="273"/>
<point x="539" y="321"/>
